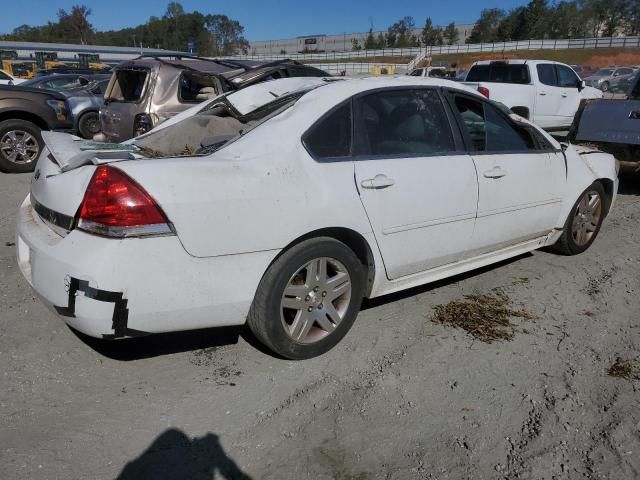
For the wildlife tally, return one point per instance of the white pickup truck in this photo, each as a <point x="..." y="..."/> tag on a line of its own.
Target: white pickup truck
<point x="547" y="93"/>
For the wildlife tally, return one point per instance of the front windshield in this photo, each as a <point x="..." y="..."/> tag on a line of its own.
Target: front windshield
<point x="604" y="72"/>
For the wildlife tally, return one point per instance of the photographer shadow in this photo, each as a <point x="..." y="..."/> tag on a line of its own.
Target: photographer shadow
<point x="174" y="456"/>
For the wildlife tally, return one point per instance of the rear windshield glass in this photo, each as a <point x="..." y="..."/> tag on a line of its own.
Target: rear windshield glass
<point x="499" y="73"/>
<point x="127" y="85"/>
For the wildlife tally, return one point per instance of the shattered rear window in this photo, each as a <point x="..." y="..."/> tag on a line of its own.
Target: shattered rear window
<point x="127" y="85"/>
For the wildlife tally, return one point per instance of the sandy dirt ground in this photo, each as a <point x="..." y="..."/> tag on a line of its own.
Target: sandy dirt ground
<point x="399" y="398"/>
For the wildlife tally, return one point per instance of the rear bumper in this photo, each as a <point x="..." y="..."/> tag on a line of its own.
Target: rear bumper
<point x="109" y="288"/>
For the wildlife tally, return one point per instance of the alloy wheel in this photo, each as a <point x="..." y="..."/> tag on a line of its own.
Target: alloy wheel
<point x="315" y="300"/>
<point x="19" y="146"/>
<point x="587" y="218"/>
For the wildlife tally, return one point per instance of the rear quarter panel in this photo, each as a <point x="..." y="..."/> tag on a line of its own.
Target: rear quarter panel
<point x="260" y="193"/>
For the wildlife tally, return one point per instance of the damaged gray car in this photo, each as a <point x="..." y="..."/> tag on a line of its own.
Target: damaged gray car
<point x="612" y="125"/>
<point x="146" y="91"/>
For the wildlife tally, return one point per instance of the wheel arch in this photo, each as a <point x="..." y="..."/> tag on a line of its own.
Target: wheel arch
<point x="608" y="186"/>
<point x="352" y="239"/>
<point x="29" y="117"/>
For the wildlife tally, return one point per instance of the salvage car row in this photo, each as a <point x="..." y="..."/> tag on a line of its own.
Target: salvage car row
<point x="137" y="96"/>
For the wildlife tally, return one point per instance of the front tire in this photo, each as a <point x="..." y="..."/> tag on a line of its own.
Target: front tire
<point x="584" y="221"/>
<point x="89" y="125"/>
<point x="308" y="299"/>
<point x="20" y="146"/>
<point x="604" y="87"/>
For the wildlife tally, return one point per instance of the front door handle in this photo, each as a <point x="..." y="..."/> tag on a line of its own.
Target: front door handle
<point x="543" y="93"/>
<point x="378" y="182"/>
<point x="564" y="95"/>
<point x="635" y="115"/>
<point x="496" y="172"/>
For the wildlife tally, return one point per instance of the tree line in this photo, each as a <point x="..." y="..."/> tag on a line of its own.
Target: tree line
<point x="218" y="34"/>
<point x="210" y="35"/>
<point x="539" y="19"/>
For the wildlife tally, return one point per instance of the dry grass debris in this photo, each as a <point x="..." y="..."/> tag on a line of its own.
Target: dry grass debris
<point x="486" y="317"/>
<point x="623" y="369"/>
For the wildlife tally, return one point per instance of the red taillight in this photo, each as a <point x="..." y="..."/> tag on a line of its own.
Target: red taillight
<point x="116" y="206"/>
<point x="484" y="91"/>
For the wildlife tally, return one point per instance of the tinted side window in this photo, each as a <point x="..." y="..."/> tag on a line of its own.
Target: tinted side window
<point x="547" y="74"/>
<point x="489" y="130"/>
<point x="624" y="71"/>
<point x="331" y="138"/>
<point x="566" y="77"/>
<point x="502" y="136"/>
<point x="478" y="73"/>
<point x="4" y="76"/>
<point x="403" y="122"/>
<point x="472" y="114"/>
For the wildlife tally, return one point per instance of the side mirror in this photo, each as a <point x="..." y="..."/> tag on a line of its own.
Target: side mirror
<point x="83" y="81"/>
<point x="581" y="85"/>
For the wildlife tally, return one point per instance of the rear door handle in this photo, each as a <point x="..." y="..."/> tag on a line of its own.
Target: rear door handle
<point x="496" y="172"/>
<point x="378" y="182"/>
<point x="543" y="93"/>
<point x="564" y="95"/>
<point x="635" y="115"/>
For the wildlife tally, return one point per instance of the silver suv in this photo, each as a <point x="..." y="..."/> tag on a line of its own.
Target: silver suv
<point x="144" y="92"/>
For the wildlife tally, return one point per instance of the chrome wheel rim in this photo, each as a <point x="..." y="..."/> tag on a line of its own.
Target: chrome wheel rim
<point x="315" y="300"/>
<point x="19" y="146"/>
<point x="587" y="218"/>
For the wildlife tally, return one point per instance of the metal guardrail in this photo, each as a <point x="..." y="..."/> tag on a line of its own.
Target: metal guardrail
<point x="561" y="44"/>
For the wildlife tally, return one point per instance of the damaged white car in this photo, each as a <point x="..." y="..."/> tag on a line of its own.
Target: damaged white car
<point x="286" y="203"/>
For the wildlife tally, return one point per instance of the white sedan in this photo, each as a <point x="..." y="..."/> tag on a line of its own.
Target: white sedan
<point x="284" y="204"/>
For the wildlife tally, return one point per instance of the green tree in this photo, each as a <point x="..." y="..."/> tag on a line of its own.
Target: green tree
<point x="75" y="23"/>
<point x="370" y="42"/>
<point x="451" y="34"/>
<point x="355" y="45"/>
<point x="485" y="29"/>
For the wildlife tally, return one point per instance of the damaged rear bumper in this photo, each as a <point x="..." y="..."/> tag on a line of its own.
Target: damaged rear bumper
<point x="109" y="288"/>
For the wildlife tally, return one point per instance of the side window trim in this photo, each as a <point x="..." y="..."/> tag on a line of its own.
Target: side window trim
<point x="451" y="94"/>
<point x="308" y="131"/>
<point x="356" y="125"/>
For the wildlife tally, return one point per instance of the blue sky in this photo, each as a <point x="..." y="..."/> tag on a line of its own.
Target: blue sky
<point x="262" y="19"/>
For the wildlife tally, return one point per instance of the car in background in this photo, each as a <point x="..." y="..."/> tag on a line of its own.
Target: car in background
<point x="266" y="206"/>
<point x="547" y="93"/>
<point x="605" y="78"/>
<point x="8" y="79"/>
<point x="148" y="90"/>
<point x="61" y="81"/>
<point x="626" y="84"/>
<point x="612" y="125"/>
<point x="24" y="113"/>
<point x="85" y="103"/>
<point x="436" y="72"/>
<point x="582" y="70"/>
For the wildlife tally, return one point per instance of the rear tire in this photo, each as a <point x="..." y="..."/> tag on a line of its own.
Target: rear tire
<point x="584" y="221"/>
<point x="89" y="125"/>
<point x="298" y="311"/>
<point x="20" y="146"/>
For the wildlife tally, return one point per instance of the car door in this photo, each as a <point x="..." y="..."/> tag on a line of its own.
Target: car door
<point x="417" y="185"/>
<point x="568" y="83"/>
<point x="520" y="176"/>
<point x="548" y="97"/>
